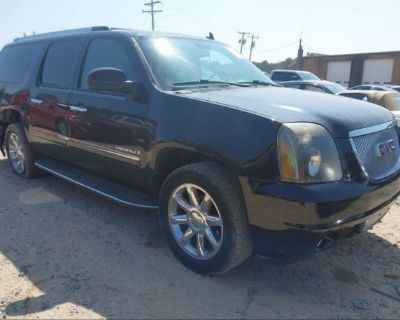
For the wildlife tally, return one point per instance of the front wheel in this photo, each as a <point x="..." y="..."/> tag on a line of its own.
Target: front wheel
<point x="204" y="218"/>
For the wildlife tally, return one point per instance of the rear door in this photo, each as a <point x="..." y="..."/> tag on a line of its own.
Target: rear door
<point x="49" y="117"/>
<point x="113" y="130"/>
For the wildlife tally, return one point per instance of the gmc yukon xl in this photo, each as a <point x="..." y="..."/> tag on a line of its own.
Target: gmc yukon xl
<point x="187" y="127"/>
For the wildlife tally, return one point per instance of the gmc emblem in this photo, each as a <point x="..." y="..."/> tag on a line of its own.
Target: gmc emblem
<point x="386" y="147"/>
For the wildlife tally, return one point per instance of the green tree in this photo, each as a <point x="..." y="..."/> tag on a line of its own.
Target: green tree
<point x="268" y="67"/>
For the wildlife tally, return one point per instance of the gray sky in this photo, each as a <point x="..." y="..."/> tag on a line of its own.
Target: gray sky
<point x="331" y="27"/>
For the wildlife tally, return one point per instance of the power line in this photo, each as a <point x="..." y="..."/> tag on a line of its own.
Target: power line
<point x="243" y="41"/>
<point x="152" y="11"/>
<point x="178" y="8"/>
<point x="309" y="47"/>
<point x="279" y="48"/>
<point x="253" y="44"/>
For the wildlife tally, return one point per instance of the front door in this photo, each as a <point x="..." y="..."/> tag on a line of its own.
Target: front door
<point x="113" y="131"/>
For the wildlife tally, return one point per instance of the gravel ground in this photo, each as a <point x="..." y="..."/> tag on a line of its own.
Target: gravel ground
<point x="65" y="253"/>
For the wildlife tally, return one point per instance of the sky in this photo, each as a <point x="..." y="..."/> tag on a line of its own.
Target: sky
<point x="328" y="27"/>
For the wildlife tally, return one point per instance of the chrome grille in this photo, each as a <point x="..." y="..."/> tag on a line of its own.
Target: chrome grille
<point x="378" y="153"/>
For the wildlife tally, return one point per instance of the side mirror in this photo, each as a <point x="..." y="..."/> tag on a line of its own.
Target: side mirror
<point x="112" y="80"/>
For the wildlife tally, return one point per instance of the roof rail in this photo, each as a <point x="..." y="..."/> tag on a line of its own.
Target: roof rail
<point x="62" y="33"/>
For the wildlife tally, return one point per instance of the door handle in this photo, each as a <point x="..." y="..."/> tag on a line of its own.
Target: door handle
<point x="78" y="109"/>
<point x="36" y="101"/>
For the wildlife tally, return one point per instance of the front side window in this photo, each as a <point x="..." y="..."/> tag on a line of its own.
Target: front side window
<point x="15" y="62"/>
<point x="60" y="63"/>
<point x="179" y="61"/>
<point x="107" y="53"/>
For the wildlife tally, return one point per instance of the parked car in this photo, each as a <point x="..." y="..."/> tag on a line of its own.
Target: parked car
<point x="280" y="76"/>
<point x="187" y="127"/>
<point x="397" y="88"/>
<point x="315" y="85"/>
<point x="372" y="87"/>
<point x="387" y="99"/>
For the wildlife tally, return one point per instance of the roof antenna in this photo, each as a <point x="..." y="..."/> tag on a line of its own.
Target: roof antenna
<point x="210" y="36"/>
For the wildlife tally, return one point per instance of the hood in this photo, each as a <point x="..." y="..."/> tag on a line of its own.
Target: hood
<point x="339" y="115"/>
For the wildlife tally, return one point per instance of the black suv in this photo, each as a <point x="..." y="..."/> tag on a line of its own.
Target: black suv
<point x="186" y="126"/>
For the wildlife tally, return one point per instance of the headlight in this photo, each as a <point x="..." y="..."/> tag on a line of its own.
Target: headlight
<point x="307" y="154"/>
<point x="397" y="116"/>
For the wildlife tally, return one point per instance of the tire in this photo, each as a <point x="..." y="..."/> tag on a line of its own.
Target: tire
<point x="15" y="134"/>
<point x="225" y="218"/>
<point x="63" y="128"/>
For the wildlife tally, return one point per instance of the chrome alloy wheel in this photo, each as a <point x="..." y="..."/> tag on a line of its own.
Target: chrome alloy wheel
<point x="16" y="152"/>
<point x="195" y="221"/>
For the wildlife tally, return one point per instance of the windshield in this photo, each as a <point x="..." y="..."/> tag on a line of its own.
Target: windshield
<point x="179" y="63"/>
<point x="335" y="88"/>
<point x="308" y="76"/>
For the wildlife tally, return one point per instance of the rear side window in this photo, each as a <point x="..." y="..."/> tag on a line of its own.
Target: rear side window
<point x="16" y="61"/>
<point x="107" y="53"/>
<point x="59" y="65"/>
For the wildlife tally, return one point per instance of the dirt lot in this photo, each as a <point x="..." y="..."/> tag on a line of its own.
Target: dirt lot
<point x="65" y="253"/>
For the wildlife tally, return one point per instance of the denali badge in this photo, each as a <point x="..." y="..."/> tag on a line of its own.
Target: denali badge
<point x="386" y="147"/>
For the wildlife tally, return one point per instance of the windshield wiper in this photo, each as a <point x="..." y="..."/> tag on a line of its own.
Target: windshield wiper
<point x="260" y="83"/>
<point x="209" y="82"/>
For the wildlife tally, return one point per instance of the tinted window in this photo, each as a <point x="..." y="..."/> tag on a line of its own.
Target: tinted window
<point x="293" y="85"/>
<point x="108" y="53"/>
<point x="59" y="66"/>
<point x="360" y="88"/>
<point x="335" y="88"/>
<point x="308" y="76"/>
<point x="285" y="76"/>
<point x="358" y="96"/>
<point x="16" y="61"/>
<point x="310" y="87"/>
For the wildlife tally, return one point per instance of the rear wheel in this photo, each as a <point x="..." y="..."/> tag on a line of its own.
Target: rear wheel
<point x="19" y="151"/>
<point x="204" y="218"/>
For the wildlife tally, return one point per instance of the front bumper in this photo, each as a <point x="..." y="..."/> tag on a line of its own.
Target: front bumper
<point x="296" y="220"/>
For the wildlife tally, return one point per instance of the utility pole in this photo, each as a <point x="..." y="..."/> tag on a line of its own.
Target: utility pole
<point x="243" y="40"/>
<point x="253" y="44"/>
<point x="152" y="11"/>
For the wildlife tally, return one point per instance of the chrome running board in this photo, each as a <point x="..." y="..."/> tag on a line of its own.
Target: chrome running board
<point x="95" y="184"/>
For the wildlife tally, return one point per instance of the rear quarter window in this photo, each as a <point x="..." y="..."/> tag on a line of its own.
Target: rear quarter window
<point x="16" y="61"/>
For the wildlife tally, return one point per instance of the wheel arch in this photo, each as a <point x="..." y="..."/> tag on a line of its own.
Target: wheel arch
<point x="172" y="158"/>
